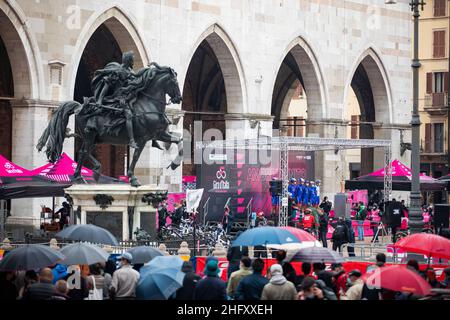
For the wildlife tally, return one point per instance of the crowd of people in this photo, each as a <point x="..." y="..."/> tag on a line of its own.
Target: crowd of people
<point x="250" y="281"/>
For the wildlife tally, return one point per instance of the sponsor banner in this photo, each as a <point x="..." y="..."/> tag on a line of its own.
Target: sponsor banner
<point x="348" y="266"/>
<point x="241" y="178"/>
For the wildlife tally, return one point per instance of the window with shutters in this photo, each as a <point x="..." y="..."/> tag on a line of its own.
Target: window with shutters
<point x="439" y="43"/>
<point x="439" y="8"/>
<point x="438" y="137"/>
<point x="438" y="83"/>
<point x="437" y="87"/>
<point x="427" y="148"/>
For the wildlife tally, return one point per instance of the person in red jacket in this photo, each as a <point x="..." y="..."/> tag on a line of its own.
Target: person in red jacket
<point x="308" y="220"/>
<point x="340" y="278"/>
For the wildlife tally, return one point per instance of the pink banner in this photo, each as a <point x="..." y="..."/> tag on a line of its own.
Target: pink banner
<point x="62" y="169"/>
<point x="357" y="196"/>
<point x="400" y="170"/>
<point x="10" y="169"/>
<point x="173" y="198"/>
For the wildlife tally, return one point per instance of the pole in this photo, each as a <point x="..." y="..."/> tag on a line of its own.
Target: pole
<point x="415" y="215"/>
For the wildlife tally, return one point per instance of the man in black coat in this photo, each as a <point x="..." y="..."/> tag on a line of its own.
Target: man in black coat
<point x="211" y="287"/>
<point x="251" y="287"/>
<point x="234" y="256"/>
<point x="8" y="290"/>
<point x="42" y="290"/>
<point x="191" y="279"/>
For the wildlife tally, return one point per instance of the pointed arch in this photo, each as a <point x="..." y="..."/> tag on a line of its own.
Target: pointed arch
<point x="372" y="65"/>
<point x="23" y="51"/>
<point x="125" y="31"/>
<point x="230" y="65"/>
<point x="309" y="72"/>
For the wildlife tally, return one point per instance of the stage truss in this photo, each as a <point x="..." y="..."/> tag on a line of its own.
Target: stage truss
<point x="285" y="144"/>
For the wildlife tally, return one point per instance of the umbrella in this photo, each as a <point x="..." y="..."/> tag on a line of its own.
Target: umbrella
<point x="29" y="257"/>
<point x="264" y="235"/>
<point x="398" y="278"/>
<point x="144" y="254"/>
<point x="174" y="262"/>
<point x="160" y="283"/>
<point x="317" y="254"/>
<point x="88" y="233"/>
<point x="430" y="245"/>
<point x="300" y="234"/>
<point x="83" y="253"/>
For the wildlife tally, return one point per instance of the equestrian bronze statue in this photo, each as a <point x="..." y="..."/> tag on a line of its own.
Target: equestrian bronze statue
<point x="128" y="108"/>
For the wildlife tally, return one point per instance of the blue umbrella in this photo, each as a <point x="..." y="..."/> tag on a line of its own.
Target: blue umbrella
<point x="163" y="262"/>
<point x="158" y="283"/>
<point x="264" y="235"/>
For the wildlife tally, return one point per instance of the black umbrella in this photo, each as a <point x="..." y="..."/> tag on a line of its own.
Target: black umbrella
<point x="83" y="253"/>
<point x="29" y="257"/>
<point x="144" y="254"/>
<point x="317" y="254"/>
<point x="88" y="233"/>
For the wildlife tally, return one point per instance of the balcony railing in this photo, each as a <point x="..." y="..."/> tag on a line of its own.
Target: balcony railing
<point x="436" y="100"/>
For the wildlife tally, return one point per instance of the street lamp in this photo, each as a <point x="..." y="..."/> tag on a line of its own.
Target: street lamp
<point x="415" y="213"/>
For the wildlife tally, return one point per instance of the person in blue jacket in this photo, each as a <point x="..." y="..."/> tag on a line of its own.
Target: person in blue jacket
<point x="299" y="191"/>
<point x="313" y="193"/>
<point x="306" y="194"/>
<point x="292" y="186"/>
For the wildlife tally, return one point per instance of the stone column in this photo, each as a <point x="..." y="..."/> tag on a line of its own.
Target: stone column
<point x="136" y="222"/>
<point x="83" y="217"/>
<point x="30" y="118"/>
<point x="330" y="166"/>
<point x="125" y="226"/>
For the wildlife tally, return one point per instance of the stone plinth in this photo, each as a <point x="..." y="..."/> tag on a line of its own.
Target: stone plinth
<point x="116" y="207"/>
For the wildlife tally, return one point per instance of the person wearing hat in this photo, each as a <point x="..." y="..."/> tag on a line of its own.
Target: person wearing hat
<point x="211" y="287"/>
<point x="292" y="186"/>
<point x="308" y="221"/>
<point x="340" y="278"/>
<point x="278" y="288"/>
<point x="318" y="191"/>
<point x="356" y="284"/>
<point x="190" y="281"/>
<point x="125" y="279"/>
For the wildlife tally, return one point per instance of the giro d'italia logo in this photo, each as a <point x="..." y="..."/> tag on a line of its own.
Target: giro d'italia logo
<point x="9" y="168"/>
<point x="221" y="182"/>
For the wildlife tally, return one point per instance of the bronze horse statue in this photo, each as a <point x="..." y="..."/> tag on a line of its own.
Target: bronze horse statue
<point x="105" y="124"/>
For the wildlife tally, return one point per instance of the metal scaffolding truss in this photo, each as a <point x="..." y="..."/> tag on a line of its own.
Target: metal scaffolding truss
<point x="294" y="143"/>
<point x="285" y="144"/>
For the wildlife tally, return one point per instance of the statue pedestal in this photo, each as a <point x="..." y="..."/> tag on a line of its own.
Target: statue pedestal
<point x="116" y="207"/>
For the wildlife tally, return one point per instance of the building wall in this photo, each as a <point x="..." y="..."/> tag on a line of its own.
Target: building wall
<point x="250" y="38"/>
<point x="432" y="163"/>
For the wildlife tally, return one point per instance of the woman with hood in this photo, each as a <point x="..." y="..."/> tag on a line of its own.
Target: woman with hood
<point x="278" y="288"/>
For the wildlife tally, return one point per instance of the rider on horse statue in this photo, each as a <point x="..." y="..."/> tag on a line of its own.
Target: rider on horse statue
<point x="108" y="85"/>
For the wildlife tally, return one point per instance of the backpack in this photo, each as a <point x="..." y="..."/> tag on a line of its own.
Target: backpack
<point x="339" y="233"/>
<point x="362" y="215"/>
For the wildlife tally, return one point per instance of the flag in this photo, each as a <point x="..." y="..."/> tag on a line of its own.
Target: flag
<point x="193" y="198"/>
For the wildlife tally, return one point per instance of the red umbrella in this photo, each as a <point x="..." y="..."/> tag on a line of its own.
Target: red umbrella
<point x="300" y="234"/>
<point x="428" y="244"/>
<point x="398" y="278"/>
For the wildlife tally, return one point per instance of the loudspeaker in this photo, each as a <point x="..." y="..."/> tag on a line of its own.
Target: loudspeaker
<point x="341" y="206"/>
<point x="441" y="216"/>
<point x="276" y="187"/>
<point x="393" y="214"/>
